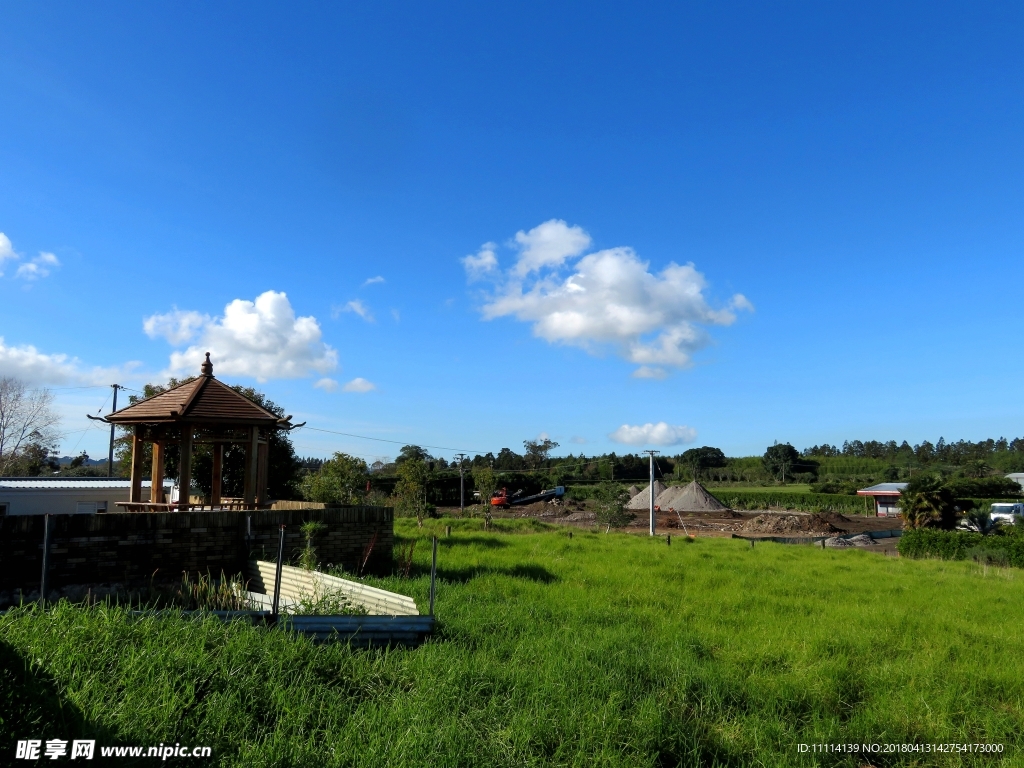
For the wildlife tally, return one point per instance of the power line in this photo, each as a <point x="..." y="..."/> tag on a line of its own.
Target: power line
<point x="383" y="440"/>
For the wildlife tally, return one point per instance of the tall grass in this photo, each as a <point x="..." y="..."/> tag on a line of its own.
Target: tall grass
<point x="602" y="649"/>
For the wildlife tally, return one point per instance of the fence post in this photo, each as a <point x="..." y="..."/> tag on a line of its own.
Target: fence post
<point x="447" y="530"/>
<point x="44" y="579"/>
<point x="433" y="574"/>
<point x="277" y="578"/>
<point x="668" y="539"/>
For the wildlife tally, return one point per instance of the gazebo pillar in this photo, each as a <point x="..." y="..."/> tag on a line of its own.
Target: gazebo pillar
<point x="218" y="473"/>
<point x="138" y="447"/>
<point x="185" y="467"/>
<point x="261" y="477"/>
<point x="252" y="450"/>
<point x="156" y="486"/>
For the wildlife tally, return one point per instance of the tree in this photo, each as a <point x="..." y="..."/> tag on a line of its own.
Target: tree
<point x="340" y="480"/>
<point x="779" y="459"/>
<point x="537" y="452"/>
<point x="926" y="502"/>
<point x="411" y="490"/>
<point x="485" y="483"/>
<point x="699" y="459"/>
<point x="611" y="506"/>
<point x="412" y="453"/>
<point x="28" y="424"/>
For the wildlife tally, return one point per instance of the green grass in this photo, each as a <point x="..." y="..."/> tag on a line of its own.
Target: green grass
<point x="788" y="488"/>
<point x="600" y="650"/>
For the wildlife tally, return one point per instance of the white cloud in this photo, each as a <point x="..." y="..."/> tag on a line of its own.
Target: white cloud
<point x="6" y="250"/>
<point x="609" y="298"/>
<point x="37" y="368"/>
<point x="483" y="264"/>
<point x="548" y="245"/>
<point x="373" y="281"/>
<point x="396" y="315"/>
<point x="741" y="302"/>
<point x="649" y="372"/>
<point x="177" y="326"/>
<point x="39" y="267"/>
<point x="357" y="307"/>
<point x="578" y="440"/>
<point x="359" y="385"/>
<point x="661" y="433"/>
<point x="327" y="385"/>
<point x="262" y="338"/>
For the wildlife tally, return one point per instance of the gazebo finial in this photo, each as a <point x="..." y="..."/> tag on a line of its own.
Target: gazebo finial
<point x="207" y="367"/>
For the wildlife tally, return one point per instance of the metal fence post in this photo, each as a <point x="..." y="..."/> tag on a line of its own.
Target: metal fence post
<point x="433" y="575"/>
<point x="44" y="579"/>
<point x="277" y="578"/>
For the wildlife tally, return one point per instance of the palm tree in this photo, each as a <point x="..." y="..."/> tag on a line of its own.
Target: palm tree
<point x="981" y="521"/>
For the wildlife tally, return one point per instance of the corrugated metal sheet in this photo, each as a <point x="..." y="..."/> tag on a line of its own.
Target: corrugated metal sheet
<point x="68" y="483"/>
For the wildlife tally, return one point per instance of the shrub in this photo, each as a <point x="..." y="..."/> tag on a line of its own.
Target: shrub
<point x="1004" y="548"/>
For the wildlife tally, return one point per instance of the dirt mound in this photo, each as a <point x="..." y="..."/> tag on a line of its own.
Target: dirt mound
<point x="805" y="524"/>
<point x="689" y="498"/>
<point x="643" y="499"/>
<point x="633" y="491"/>
<point x="577" y="517"/>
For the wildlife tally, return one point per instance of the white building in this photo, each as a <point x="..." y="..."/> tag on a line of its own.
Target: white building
<point x="63" y="495"/>
<point x="1019" y="477"/>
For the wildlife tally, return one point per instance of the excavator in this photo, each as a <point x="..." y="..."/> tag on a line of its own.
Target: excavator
<point x="503" y="500"/>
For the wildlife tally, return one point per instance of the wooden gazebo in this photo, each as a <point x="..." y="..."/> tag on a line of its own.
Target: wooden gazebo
<point x="201" y="411"/>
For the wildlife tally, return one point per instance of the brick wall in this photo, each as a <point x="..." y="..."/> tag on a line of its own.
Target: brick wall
<point x="129" y="548"/>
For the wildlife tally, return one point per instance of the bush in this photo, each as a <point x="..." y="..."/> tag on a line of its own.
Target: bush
<point x="807" y="502"/>
<point x="988" y="487"/>
<point x="1005" y="547"/>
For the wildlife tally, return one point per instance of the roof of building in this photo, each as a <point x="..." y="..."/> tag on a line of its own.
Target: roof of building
<point x="203" y="399"/>
<point x="883" y="489"/>
<point x="1018" y="476"/>
<point x="68" y="483"/>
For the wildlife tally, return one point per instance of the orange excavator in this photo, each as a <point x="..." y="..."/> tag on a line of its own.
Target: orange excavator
<point x="503" y="500"/>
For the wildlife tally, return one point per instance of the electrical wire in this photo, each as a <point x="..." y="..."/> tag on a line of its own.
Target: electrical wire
<point x="383" y="440"/>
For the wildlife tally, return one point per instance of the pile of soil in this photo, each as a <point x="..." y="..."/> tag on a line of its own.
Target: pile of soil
<point x="863" y="540"/>
<point x="577" y="517"/>
<point x="798" y="524"/>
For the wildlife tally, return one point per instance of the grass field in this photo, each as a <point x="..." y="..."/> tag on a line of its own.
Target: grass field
<point x="789" y="488"/>
<point x="598" y="650"/>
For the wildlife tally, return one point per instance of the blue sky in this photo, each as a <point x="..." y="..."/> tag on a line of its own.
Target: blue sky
<point x="846" y="181"/>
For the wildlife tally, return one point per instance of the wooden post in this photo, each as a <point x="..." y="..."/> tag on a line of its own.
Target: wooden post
<point x="218" y="474"/>
<point x="156" y="484"/>
<point x="44" y="580"/>
<point x="251" y="467"/>
<point x="433" y="574"/>
<point x="185" y="468"/>
<point x="135" y="494"/>
<point x="261" y="474"/>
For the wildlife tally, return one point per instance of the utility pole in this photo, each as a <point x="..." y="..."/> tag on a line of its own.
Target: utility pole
<point x="652" y="454"/>
<point x="462" y="485"/>
<point x="110" y="454"/>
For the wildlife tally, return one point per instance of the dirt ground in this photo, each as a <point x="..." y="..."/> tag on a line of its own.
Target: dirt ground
<point x="747" y="523"/>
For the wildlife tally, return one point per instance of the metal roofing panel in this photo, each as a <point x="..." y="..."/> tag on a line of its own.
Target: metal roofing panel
<point x="67" y="483"/>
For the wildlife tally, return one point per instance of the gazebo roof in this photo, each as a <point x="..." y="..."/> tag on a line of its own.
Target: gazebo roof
<point x="202" y="400"/>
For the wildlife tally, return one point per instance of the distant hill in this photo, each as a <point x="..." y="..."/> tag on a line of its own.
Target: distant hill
<point x="66" y="460"/>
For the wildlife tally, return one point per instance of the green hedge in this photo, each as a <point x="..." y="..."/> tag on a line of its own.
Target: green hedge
<point x="805" y="502"/>
<point x="998" y="549"/>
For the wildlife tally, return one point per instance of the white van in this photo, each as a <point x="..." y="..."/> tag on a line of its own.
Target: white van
<point x="1007" y="512"/>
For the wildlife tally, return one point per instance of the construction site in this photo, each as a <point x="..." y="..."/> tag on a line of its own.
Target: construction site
<point x="691" y="510"/>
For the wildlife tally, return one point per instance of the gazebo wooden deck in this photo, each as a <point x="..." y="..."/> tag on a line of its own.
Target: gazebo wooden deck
<point x="201" y="411"/>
